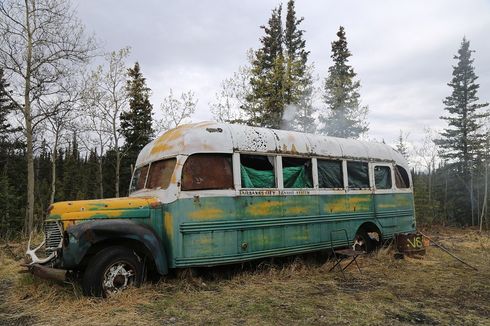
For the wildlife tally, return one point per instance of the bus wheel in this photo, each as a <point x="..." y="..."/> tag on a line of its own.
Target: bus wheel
<point x="112" y="270"/>
<point x="364" y="241"/>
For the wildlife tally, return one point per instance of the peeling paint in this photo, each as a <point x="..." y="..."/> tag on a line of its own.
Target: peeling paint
<point x="263" y="208"/>
<point x="70" y="211"/>
<point x="207" y="213"/>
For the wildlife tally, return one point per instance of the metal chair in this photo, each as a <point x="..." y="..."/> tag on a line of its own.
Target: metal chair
<point x="346" y="253"/>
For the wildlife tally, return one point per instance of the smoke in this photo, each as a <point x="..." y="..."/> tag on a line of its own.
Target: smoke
<point x="288" y="116"/>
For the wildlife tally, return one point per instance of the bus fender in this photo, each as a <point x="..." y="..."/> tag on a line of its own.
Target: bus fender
<point x="91" y="236"/>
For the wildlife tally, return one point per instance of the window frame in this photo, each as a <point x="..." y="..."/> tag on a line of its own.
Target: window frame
<point x="343" y="167"/>
<point x="233" y="171"/>
<point x="383" y="164"/>
<point x="277" y="168"/>
<point x="297" y="157"/>
<point x="409" y="177"/>
<point x="369" y="177"/>
<point x="146" y="178"/>
<point x="149" y="169"/>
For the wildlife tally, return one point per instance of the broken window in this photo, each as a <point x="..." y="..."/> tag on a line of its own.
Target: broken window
<point x="382" y="177"/>
<point x="257" y="171"/>
<point x="207" y="171"/>
<point x="160" y="174"/>
<point x="330" y="174"/>
<point x="401" y="178"/>
<point x="358" y="175"/>
<point x="296" y="172"/>
<point x="139" y="178"/>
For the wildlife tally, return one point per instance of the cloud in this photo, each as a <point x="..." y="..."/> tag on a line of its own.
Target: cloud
<point x="402" y="51"/>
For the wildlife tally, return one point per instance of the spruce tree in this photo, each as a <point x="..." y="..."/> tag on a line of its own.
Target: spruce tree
<point x="464" y="137"/>
<point x="72" y="173"/>
<point x="345" y="117"/>
<point x="298" y="83"/>
<point x="136" y="123"/>
<point x="265" y="103"/>
<point x="7" y="195"/>
<point x="6" y="107"/>
<point x="297" y="77"/>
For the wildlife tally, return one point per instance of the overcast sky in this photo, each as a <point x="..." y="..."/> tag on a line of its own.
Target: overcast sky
<point x="402" y="50"/>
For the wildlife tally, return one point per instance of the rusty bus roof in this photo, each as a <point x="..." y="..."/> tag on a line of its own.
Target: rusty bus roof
<point x="214" y="137"/>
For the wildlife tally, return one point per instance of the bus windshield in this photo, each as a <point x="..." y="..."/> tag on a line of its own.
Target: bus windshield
<point x="154" y="176"/>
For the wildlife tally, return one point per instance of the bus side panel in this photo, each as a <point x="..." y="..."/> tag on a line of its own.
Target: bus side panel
<point x="395" y="213"/>
<point x="218" y="230"/>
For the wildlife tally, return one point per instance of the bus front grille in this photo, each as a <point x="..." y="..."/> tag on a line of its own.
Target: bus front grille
<point x="54" y="235"/>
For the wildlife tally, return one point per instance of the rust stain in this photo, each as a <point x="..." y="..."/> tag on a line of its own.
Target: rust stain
<point x="171" y="138"/>
<point x="263" y="208"/>
<point x="173" y="178"/>
<point x="339" y="205"/>
<point x="358" y="200"/>
<point x="297" y="210"/>
<point x="387" y="205"/>
<point x="164" y="142"/>
<point x="293" y="149"/>
<point x="168" y="224"/>
<point x="207" y="213"/>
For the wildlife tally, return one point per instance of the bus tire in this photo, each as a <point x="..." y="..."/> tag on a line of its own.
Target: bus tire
<point x="112" y="270"/>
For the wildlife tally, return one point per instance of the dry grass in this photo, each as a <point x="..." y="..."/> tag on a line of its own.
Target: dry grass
<point x="434" y="290"/>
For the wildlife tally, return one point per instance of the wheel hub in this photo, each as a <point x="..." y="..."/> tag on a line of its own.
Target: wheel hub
<point x="118" y="277"/>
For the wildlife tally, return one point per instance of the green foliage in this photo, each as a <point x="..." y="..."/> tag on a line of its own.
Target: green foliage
<point x="401" y="145"/>
<point x="6" y="106"/>
<point x="345" y="117"/>
<point x="464" y="136"/>
<point x="265" y="103"/>
<point x="136" y="123"/>
<point x="464" y="140"/>
<point x="297" y="77"/>
<point x="280" y="79"/>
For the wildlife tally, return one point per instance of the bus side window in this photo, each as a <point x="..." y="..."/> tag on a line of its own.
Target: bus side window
<point x="296" y="172"/>
<point x="257" y="171"/>
<point x="358" y="175"/>
<point x="382" y="177"/>
<point x="160" y="174"/>
<point x="401" y="178"/>
<point x="330" y="174"/>
<point x="207" y="171"/>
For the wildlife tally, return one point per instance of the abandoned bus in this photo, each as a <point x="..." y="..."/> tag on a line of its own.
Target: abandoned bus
<point x="211" y="193"/>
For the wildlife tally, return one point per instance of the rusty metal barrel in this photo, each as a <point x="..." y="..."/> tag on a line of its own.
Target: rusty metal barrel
<point x="410" y="244"/>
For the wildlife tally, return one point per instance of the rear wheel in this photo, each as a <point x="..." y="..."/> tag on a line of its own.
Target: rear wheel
<point x="112" y="270"/>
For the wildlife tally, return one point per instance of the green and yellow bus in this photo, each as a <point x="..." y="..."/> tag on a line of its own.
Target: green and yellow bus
<point x="211" y="193"/>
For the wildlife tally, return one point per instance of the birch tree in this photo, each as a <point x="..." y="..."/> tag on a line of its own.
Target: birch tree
<point x="107" y="97"/>
<point x="63" y="108"/>
<point x="40" y="42"/>
<point x="176" y="110"/>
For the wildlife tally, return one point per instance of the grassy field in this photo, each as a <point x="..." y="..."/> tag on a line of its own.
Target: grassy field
<point x="434" y="290"/>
